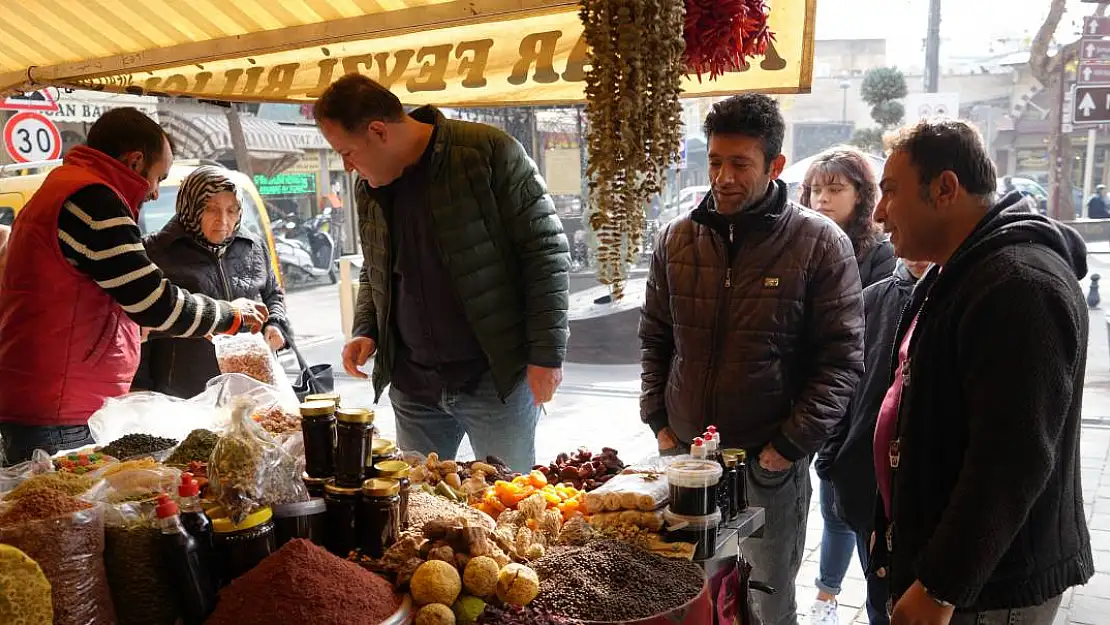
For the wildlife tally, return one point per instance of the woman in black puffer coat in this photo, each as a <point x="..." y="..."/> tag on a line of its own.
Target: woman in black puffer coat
<point x="203" y="250"/>
<point x="841" y="185"/>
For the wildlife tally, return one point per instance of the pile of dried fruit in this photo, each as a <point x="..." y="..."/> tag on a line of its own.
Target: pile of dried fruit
<point x="582" y="469"/>
<point x="535" y="489"/>
<point x="82" y="463"/>
<point x="636" y="65"/>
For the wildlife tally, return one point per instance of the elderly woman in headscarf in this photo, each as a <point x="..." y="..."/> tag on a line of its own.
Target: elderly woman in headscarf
<point x="203" y="250"/>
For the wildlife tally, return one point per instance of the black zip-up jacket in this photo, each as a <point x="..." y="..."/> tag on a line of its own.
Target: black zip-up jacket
<point x="752" y="322"/>
<point x="848" y="458"/>
<point x="987" y="504"/>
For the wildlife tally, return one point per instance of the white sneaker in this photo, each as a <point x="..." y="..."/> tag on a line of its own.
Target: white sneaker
<point x="823" y="613"/>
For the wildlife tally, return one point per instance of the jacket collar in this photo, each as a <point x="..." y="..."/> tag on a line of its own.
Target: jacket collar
<point x="762" y="216"/>
<point x="442" y="138"/>
<point x="132" y="187"/>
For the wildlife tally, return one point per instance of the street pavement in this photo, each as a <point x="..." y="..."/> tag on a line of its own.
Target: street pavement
<point x="597" y="406"/>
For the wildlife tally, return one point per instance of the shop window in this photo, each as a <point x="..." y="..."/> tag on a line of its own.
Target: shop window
<point x="7" y="215"/>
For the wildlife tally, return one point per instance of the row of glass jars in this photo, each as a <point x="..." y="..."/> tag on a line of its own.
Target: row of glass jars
<point x="337" y="441"/>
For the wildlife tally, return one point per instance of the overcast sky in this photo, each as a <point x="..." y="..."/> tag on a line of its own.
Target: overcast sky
<point x="969" y="26"/>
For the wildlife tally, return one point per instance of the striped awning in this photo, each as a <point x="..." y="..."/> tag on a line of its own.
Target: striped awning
<point x="447" y="52"/>
<point x="205" y="135"/>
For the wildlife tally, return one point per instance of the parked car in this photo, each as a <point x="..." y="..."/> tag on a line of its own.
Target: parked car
<point x="1028" y="187"/>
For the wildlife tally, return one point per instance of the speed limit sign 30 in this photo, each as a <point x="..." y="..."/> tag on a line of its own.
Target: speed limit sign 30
<point x="32" y="137"/>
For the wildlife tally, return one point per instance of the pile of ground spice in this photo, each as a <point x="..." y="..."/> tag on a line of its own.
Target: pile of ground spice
<point x="424" y="508"/>
<point x="303" y="583"/>
<point x="41" y="504"/>
<point x="63" y="482"/>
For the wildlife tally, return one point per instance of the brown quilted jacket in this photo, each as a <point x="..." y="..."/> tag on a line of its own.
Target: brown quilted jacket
<point x="767" y="346"/>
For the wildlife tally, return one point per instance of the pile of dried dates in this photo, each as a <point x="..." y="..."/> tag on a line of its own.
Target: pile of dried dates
<point x="583" y="469"/>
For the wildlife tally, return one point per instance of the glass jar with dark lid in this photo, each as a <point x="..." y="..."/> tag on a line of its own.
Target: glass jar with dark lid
<point x="379" y="519"/>
<point x="342" y="506"/>
<point x="354" y="437"/>
<point x="315" y="486"/>
<point x="319" y="429"/>
<point x="332" y="397"/>
<point x="397" y="470"/>
<point x="381" y="450"/>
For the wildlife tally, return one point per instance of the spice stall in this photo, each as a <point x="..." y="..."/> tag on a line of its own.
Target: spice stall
<point x="241" y="507"/>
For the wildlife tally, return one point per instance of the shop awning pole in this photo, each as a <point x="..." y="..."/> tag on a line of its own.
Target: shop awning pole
<point x="239" y="140"/>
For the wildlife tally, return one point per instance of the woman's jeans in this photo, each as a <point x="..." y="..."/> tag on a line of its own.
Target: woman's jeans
<point x="838" y="543"/>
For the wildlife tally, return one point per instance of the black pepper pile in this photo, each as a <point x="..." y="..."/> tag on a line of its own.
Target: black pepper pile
<point x="132" y="445"/>
<point x="608" y="580"/>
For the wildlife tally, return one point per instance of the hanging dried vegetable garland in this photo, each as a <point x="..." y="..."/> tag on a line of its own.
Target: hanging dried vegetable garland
<point x="636" y="65"/>
<point x="722" y="34"/>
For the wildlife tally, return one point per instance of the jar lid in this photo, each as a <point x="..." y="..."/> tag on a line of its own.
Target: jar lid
<point x="380" y="487"/>
<point x="332" y="397"/>
<point x="315" y="505"/>
<point x="315" y="481"/>
<point x="731" y="460"/>
<point x="355" y="415"/>
<point x="694" y="473"/>
<point x="681" y="521"/>
<point x="317" y="408"/>
<point x="394" y="469"/>
<point x="741" y="455"/>
<point x="382" y="447"/>
<point x="332" y="489"/>
<point x="224" y="525"/>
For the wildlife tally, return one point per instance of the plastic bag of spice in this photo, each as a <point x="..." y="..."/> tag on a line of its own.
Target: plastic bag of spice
<point x="250" y="470"/>
<point x="248" y="354"/>
<point x="70" y="550"/>
<point x="142" y="587"/>
<point x="13" y="476"/>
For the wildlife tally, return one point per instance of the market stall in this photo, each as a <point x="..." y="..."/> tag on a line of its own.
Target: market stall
<point x="239" y="506"/>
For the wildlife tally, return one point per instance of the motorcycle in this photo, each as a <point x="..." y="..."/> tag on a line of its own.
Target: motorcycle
<point x="305" y="253"/>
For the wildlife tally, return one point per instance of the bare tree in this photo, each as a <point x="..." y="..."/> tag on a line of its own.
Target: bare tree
<point x="1051" y="71"/>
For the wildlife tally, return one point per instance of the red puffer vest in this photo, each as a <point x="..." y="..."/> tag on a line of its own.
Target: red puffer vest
<point x="65" y="344"/>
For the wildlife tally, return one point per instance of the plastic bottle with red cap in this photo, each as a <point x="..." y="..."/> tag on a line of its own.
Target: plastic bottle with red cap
<point x="184" y="554"/>
<point x="698" y="449"/>
<point x="192" y="513"/>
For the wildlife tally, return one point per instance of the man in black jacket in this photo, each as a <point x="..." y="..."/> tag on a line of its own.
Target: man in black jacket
<point x="977" y="459"/>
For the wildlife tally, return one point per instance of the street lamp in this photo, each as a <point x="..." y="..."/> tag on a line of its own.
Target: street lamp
<point x="845" y="85"/>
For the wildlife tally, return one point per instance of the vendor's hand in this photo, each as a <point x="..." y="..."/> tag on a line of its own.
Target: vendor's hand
<point x="144" y="334"/>
<point x="916" y="607"/>
<point x="543" y="381"/>
<point x="667" y="440"/>
<point x="253" y="314"/>
<point x="356" y="354"/>
<point x="771" y="460"/>
<point x="274" y="338"/>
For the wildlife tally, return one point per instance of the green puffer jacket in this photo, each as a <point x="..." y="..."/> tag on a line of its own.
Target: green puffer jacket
<point x="502" y="244"/>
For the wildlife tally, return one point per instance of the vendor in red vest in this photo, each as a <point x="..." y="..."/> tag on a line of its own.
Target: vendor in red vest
<point x="78" y="286"/>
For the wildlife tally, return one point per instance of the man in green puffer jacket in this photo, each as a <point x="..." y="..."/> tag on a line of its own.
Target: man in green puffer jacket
<point x="464" y="287"/>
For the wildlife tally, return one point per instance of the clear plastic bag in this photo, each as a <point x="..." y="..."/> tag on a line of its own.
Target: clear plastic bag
<point x="249" y="355"/>
<point x="138" y="482"/>
<point x="70" y="550"/>
<point x="141" y="585"/>
<point x="249" y="469"/>
<point x="152" y="413"/>
<point x="13" y="476"/>
<point x="629" y="491"/>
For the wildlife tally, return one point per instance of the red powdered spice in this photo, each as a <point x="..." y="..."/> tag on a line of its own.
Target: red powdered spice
<point x="303" y="583"/>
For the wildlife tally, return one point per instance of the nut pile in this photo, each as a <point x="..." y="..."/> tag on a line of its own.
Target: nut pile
<point x="133" y="445"/>
<point x="249" y="357"/>
<point x="275" y="420"/>
<point x="611" y="581"/>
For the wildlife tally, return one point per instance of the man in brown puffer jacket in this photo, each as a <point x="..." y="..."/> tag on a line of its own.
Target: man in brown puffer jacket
<point x="753" y="321"/>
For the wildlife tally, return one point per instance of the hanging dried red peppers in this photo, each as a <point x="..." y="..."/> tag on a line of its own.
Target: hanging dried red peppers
<point x="721" y="35"/>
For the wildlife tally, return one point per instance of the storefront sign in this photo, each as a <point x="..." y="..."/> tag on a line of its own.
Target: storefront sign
<point x="286" y="184"/>
<point x="87" y="108"/>
<point x="537" y="59"/>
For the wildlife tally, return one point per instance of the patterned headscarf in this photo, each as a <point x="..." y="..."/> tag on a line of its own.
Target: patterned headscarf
<point x="197" y="188"/>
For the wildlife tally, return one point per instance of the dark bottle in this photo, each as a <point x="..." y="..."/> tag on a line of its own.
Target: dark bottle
<point x="342" y="506"/>
<point x="741" y="482"/>
<point x="192" y="514"/>
<point x="379" y="516"/>
<point x="730" y="508"/>
<point x="397" y="470"/>
<point x="193" y="578"/>
<point x="318" y="427"/>
<point x="354" y="430"/>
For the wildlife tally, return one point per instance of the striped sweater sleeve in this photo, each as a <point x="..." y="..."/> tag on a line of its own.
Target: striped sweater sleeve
<point x="98" y="236"/>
